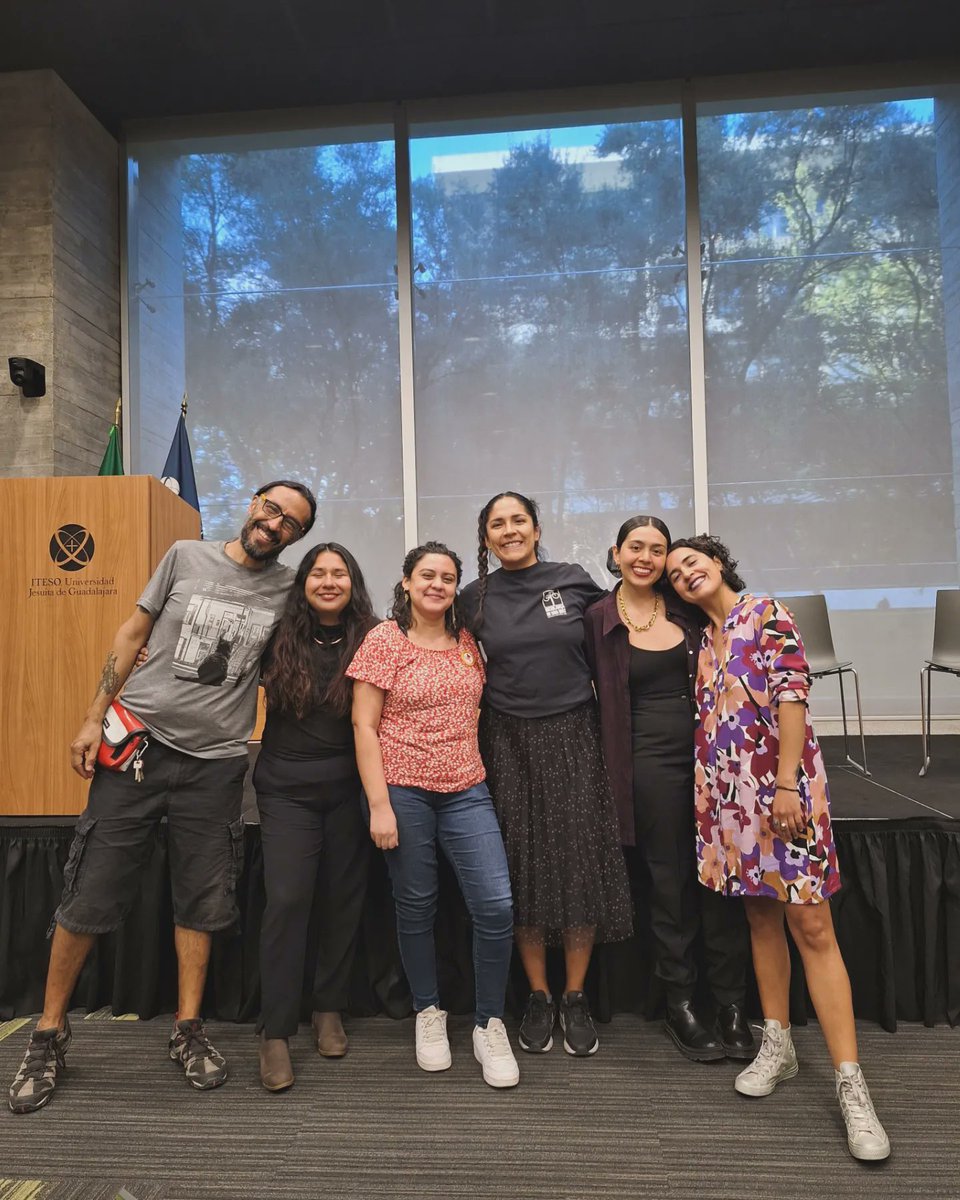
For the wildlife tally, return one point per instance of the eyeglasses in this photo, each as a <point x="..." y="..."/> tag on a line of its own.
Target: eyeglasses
<point x="289" y="524"/>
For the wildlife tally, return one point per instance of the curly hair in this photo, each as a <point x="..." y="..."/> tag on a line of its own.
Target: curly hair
<point x="483" y="554"/>
<point x="712" y="547"/>
<point x="290" y="680"/>
<point x="400" y="610"/>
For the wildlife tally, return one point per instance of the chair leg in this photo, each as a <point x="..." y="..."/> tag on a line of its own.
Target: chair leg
<point x="863" y="740"/>
<point x="843" y="714"/>
<point x="925" y="720"/>
<point x="843" y="710"/>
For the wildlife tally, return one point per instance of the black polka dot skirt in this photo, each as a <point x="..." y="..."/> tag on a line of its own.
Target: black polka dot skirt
<point x="559" y="823"/>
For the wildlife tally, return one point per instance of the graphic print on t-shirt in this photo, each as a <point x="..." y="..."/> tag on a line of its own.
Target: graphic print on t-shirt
<point x="553" y="604"/>
<point x="222" y="634"/>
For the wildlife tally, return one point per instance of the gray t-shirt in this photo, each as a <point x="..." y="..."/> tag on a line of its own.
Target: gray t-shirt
<point x="197" y="691"/>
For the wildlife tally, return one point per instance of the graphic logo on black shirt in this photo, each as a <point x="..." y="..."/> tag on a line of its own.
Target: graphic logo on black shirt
<point x="553" y="604"/>
<point x="71" y="548"/>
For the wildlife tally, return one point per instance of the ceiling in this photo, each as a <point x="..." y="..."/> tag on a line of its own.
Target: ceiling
<point x="129" y="59"/>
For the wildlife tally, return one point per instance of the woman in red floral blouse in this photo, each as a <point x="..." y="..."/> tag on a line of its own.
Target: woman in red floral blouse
<point x="417" y="684"/>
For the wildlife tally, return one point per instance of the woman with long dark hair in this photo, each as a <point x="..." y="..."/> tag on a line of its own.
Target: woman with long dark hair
<point x="418" y="679"/>
<point x="763" y="820"/>
<point x="541" y="747"/>
<point x="315" y="846"/>
<point x="642" y="645"/>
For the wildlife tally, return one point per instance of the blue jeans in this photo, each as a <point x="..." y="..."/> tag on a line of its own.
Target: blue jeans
<point x="465" y="826"/>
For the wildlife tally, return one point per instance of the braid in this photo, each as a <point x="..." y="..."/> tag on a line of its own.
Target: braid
<point x="483" y="564"/>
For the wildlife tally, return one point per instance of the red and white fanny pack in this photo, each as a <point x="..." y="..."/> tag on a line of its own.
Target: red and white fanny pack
<point x="123" y="741"/>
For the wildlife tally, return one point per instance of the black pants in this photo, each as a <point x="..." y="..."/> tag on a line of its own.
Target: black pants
<point x="678" y="905"/>
<point x="313" y="849"/>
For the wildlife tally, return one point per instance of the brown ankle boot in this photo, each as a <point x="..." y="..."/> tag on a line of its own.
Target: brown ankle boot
<point x="276" y="1070"/>
<point x="329" y="1035"/>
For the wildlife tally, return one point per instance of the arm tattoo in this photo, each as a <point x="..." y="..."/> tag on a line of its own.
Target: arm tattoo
<point x="109" y="679"/>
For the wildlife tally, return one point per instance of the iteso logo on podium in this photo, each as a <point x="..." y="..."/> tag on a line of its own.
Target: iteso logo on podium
<point x="71" y="548"/>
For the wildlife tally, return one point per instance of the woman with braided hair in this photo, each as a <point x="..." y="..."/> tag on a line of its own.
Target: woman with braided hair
<point x="540" y="744"/>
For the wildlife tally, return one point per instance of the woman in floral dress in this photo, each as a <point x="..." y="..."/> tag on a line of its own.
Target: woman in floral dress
<point x="763" y="820"/>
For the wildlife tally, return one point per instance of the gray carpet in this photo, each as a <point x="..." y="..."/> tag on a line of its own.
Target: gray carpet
<point x="635" y="1121"/>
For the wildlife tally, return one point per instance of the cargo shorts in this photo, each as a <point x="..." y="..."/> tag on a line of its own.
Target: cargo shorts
<point x="117" y="832"/>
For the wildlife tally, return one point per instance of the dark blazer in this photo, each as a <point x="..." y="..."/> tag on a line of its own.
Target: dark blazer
<point x="607" y="646"/>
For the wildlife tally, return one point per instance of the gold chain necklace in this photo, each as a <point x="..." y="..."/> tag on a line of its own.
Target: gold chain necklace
<point x="626" y="618"/>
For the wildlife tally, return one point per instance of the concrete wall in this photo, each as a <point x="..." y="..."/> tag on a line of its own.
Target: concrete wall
<point x="59" y="276"/>
<point x="157" y="350"/>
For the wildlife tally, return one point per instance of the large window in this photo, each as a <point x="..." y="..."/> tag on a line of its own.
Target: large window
<point x="549" y="333"/>
<point x="263" y="284"/>
<point x="830" y="463"/>
<point x="551" y="336"/>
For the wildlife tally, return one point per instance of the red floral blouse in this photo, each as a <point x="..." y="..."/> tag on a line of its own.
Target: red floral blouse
<point x="428" y="727"/>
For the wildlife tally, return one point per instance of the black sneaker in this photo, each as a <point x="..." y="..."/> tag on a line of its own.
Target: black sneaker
<point x="579" y="1032"/>
<point x="536" y="1028"/>
<point x="34" y="1082"/>
<point x="203" y="1064"/>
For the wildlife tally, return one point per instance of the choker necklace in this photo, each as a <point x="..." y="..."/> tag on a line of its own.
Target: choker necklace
<point x="633" y="625"/>
<point x="331" y="641"/>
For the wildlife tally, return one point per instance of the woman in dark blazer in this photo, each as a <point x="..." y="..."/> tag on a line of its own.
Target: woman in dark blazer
<point x="642" y="644"/>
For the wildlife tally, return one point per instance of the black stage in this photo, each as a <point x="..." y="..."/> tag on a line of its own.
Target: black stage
<point x="897" y="915"/>
<point x="894" y="790"/>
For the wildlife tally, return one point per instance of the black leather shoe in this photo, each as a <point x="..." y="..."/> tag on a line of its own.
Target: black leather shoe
<point x="734" y="1034"/>
<point x="691" y="1038"/>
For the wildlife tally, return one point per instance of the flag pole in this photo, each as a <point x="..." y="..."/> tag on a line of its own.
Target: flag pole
<point x="112" y="461"/>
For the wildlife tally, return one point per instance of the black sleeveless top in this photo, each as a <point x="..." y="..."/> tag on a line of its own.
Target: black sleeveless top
<point x="656" y="673"/>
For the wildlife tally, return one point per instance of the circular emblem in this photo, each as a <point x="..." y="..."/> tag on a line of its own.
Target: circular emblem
<point x="468" y="658"/>
<point x="71" y="548"/>
<point x="171" y="482"/>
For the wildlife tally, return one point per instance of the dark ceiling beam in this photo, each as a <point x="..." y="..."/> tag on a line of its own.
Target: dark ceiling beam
<point x="167" y="58"/>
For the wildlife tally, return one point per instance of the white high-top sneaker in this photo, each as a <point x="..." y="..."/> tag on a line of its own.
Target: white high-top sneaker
<point x="866" y="1137"/>
<point x="491" y="1049"/>
<point x="433" y="1049"/>
<point x="776" y="1061"/>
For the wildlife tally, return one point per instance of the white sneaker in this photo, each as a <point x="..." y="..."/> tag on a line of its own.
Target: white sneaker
<point x="433" y="1049"/>
<point x="866" y="1137"/>
<point x="775" y="1061"/>
<point x="491" y="1049"/>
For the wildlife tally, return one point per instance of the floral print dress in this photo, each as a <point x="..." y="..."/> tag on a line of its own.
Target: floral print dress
<point x="742" y="677"/>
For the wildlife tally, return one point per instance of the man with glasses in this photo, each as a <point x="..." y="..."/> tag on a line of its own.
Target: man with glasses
<point x="207" y="612"/>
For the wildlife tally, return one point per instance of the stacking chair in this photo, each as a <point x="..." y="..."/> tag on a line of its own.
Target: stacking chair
<point x="945" y="657"/>
<point x="813" y="621"/>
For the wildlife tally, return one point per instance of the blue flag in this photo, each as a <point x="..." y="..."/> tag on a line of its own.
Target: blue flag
<point x="178" y="473"/>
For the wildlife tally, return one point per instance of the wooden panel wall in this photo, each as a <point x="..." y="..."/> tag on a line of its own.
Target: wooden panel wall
<point x="58" y="623"/>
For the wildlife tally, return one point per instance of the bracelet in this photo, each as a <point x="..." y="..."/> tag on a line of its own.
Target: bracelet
<point x="782" y="787"/>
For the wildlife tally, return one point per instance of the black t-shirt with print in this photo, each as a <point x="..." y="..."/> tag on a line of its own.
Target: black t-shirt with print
<point x="531" y="633"/>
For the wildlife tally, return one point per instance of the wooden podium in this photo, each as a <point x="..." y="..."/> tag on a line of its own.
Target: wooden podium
<point x="79" y="552"/>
